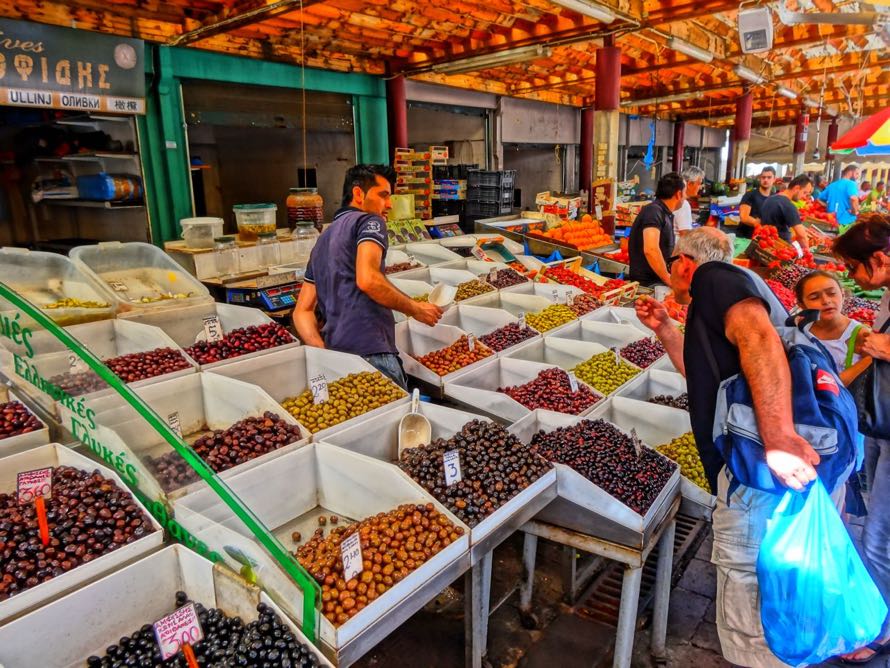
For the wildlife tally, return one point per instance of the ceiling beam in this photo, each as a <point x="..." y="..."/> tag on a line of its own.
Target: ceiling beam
<point x="219" y="24"/>
<point x="162" y="12"/>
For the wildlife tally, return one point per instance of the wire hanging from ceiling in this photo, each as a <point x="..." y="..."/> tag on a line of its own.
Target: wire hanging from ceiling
<point x="303" y="95"/>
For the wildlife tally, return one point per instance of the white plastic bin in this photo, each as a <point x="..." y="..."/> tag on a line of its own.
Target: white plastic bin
<point x="13" y="445"/>
<point x="608" y="334"/>
<point x="394" y="257"/>
<point x="414" y="339"/>
<point x="654" y="382"/>
<point x="431" y="254"/>
<point x="200" y="232"/>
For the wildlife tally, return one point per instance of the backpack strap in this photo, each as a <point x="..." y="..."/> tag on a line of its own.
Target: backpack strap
<point x="851" y="347"/>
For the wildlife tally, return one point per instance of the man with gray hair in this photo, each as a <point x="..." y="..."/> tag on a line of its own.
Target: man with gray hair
<point x="693" y="176"/>
<point x="736" y="314"/>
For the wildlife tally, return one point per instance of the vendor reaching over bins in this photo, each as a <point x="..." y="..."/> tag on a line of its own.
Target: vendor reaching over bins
<point x="345" y="279"/>
<point x="652" y="233"/>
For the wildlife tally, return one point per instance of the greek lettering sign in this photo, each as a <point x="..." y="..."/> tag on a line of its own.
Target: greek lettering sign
<point x="63" y="68"/>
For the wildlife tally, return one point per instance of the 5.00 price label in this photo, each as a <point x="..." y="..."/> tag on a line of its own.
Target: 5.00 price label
<point x="351" y="554"/>
<point x="177" y="629"/>
<point x="451" y="462"/>
<point x="34" y="484"/>
<point x="213" y="330"/>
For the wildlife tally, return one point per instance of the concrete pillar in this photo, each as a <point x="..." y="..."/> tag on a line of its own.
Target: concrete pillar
<point x="397" y="114"/>
<point x="679" y="146"/>
<point x="801" y="132"/>
<point x="586" y="170"/>
<point x="606" y="119"/>
<point x="741" y="135"/>
<point x="831" y="159"/>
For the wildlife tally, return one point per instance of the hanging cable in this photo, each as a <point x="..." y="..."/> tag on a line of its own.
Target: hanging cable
<point x="303" y="93"/>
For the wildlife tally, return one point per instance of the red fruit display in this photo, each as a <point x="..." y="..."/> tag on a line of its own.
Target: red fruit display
<point x="786" y="296"/>
<point x="566" y="277"/>
<point x="240" y="342"/>
<point x="552" y="390"/>
<point x="16" y="419"/>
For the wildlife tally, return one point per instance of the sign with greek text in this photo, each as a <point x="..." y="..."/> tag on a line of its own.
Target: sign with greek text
<point x="351" y="555"/>
<point x="177" y="629"/>
<point x="213" y="330"/>
<point x="32" y="484"/>
<point x="175" y="425"/>
<point x="319" y="387"/>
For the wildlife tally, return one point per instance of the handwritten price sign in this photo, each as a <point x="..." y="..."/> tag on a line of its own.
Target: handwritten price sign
<point x="213" y="330"/>
<point x="351" y="554"/>
<point x="178" y="629"/>
<point x="34" y="484"/>
<point x="319" y="387"/>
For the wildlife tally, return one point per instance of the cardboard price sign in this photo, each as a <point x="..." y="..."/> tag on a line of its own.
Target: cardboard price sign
<point x="319" y="387"/>
<point x="34" y="484"/>
<point x="213" y="330"/>
<point x="573" y="382"/>
<point x="75" y="364"/>
<point x="178" y="629"/>
<point x="175" y="425"/>
<point x="351" y="554"/>
<point x="451" y="462"/>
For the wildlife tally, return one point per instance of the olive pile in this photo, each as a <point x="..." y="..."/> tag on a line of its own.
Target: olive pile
<point x="683" y="451"/>
<point x="139" y="366"/>
<point x="222" y="449"/>
<point x="506" y="336"/>
<point x="552" y="389"/>
<point x="88" y="516"/>
<point x="16" y="419"/>
<point x="608" y="458"/>
<point x="604" y="373"/>
<point x="70" y="302"/>
<point x="644" y="352"/>
<point x="240" y="341"/>
<point x="680" y="401"/>
<point x="400" y="266"/>
<point x="495" y="466"/>
<point x="393" y="544"/>
<point x="425" y="297"/>
<point x="472" y="288"/>
<point x="348" y="397"/>
<point x="79" y="383"/>
<point x="504" y="278"/>
<point x="454" y="357"/>
<point x="162" y="297"/>
<point x="266" y="641"/>
<point x="583" y="304"/>
<point x="551" y="317"/>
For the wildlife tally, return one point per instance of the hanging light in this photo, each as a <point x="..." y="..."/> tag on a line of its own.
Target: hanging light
<point x="592" y="9"/>
<point x="690" y="50"/>
<point x="786" y="92"/>
<point x="811" y="103"/>
<point x="748" y="75"/>
<point x="498" y="59"/>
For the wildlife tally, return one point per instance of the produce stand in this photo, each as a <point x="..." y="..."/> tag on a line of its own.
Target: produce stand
<point x="479" y="320"/>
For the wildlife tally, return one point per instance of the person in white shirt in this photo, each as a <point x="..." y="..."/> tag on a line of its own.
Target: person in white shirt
<point x="683" y="216"/>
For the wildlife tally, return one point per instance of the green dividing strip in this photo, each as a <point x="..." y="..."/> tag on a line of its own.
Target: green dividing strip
<point x="310" y="588"/>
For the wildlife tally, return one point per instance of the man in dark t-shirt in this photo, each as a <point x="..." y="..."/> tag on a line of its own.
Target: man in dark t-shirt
<point x="752" y="201"/>
<point x="345" y="279"/>
<point x="780" y="211"/>
<point x="652" y="233"/>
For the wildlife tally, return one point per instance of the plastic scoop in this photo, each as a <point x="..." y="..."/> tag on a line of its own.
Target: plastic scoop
<point x="414" y="428"/>
<point x="442" y="294"/>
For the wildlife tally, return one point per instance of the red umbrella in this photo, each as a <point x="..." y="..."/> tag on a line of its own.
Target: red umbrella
<point x="868" y="133"/>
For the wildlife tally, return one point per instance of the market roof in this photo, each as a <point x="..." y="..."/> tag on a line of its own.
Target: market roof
<point x="665" y="43"/>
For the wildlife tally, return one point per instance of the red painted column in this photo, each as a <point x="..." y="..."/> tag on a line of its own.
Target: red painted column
<point x="730" y="162"/>
<point x="607" y="101"/>
<point x="741" y="136"/>
<point x="397" y="114"/>
<point x="586" y="172"/>
<point x="608" y="78"/>
<point x="679" y="145"/>
<point x="831" y="160"/>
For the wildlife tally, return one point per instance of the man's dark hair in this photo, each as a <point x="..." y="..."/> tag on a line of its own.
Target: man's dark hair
<point x="365" y="177"/>
<point x="849" y="169"/>
<point x="866" y="185"/>
<point x="669" y="185"/>
<point x="768" y="169"/>
<point x="879" y="184"/>
<point x="801" y="181"/>
<point x="870" y="234"/>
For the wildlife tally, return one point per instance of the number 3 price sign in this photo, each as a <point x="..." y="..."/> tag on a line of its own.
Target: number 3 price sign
<point x="34" y="486"/>
<point x="179" y="631"/>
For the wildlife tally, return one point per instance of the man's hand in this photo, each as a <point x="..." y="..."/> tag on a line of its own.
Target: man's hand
<point x="427" y="313"/>
<point x="877" y="346"/>
<point x="652" y="312"/>
<point x="791" y="459"/>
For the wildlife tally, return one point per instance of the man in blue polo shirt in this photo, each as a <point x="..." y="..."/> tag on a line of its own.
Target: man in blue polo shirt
<point x="345" y="279"/>
<point x="842" y="197"/>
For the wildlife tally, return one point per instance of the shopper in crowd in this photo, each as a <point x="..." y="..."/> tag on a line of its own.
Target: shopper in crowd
<point x="345" y="282"/>
<point x="874" y="199"/>
<point x="752" y="202"/>
<point x="737" y="314"/>
<point x="842" y="197"/>
<point x="683" y="217"/>
<point x="780" y="212"/>
<point x="864" y="191"/>
<point x="652" y="233"/>
<point x="865" y="249"/>
<point x="818" y="185"/>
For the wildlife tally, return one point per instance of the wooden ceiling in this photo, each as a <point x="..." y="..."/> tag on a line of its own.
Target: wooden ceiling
<point x="385" y="37"/>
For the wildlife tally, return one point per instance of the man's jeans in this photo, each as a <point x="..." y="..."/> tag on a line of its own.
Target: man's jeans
<point x="389" y="365"/>
<point x="876" y="536"/>
<point x="738" y="531"/>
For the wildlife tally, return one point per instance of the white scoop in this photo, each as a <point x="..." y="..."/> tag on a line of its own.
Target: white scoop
<point x="414" y="428"/>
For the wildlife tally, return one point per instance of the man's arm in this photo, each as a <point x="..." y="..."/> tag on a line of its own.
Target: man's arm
<point x="854" y="204"/>
<point x="654" y="315"/>
<point x="373" y="283"/>
<point x="651" y="237"/>
<point x="305" y="321"/>
<point x="745" y="217"/>
<point x="799" y="232"/>
<point x="765" y="366"/>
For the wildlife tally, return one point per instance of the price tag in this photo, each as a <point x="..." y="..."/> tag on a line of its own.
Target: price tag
<point x="319" y="387"/>
<point x="522" y="320"/>
<point x="173" y="421"/>
<point x="117" y="286"/>
<point x="493" y="275"/>
<point x="213" y="330"/>
<point x="451" y="462"/>
<point x="617" y="354"/>
<point x="570" y="298"/>
<point x="75" y="364"/>
<point x="471" y="342"/>
<point x="555" y="295"/>
<point x="351" y="554"/>
<point x="598" y="210"/>
<point x="797" y="248"/>
<point x="573" y="382"/>
<point x="37" y="483"/>
<point x="178" y="629"/>
<point x="638" y="445"/>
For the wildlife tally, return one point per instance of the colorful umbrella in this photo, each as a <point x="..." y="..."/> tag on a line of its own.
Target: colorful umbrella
<point x="870" y="137"/>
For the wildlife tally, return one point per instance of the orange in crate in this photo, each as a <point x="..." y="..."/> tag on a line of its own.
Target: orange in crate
<point x="585" y="234"/>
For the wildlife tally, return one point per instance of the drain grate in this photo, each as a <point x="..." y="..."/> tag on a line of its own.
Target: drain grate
<point x="603" y="598"/>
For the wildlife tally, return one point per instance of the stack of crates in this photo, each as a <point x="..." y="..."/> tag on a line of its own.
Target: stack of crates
<point x="414" y="176"/>
<point x="490" y="194"/>
<point x="450" y="189"/>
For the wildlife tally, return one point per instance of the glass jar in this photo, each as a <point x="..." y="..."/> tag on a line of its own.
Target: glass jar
<point x="305" y="204"/>
<point x="225" y="257"/>
<point x="305" y="235"/>
<point x="268" y="250"/>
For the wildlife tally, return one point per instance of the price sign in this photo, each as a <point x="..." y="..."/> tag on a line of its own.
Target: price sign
<point x="617" y="354"/>
<point x="493" y="274"/>
<point x="451" y="462"/>
<point x="117" y="286"/>
<point x="638" y="445"/>
<point x="522" y="320"/>
<point x="570" y="298"/>
<point x="471" y="342"/>
<point x="573" y="382"/>
<point x="555" y="295"/>
<point x="213" y="330"/>
<point x="351" y="554"/>
<point x="178" y="629"/>
<point x="34" y="484"/>
<point x="75" y="364"/>
<point x="598" y="210"/>
<point x="319" y="387"/>
<point x="173" y="421"/>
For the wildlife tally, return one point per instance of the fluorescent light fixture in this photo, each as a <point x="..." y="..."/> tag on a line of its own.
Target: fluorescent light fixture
<point x="811" y="103"/>
<point x="748" y="75"/>
<point x="498" y="59"/>
<point x="676" y="97"/>
<point x="786" y="92"/>
<point x="690" y="50"/>
<point x="592" y="9"/>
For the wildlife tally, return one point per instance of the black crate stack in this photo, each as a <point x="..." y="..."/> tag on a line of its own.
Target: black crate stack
<point x="490" y="194"/>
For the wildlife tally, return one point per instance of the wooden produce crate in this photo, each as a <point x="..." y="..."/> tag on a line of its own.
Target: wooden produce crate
<point x="623" y="293"/>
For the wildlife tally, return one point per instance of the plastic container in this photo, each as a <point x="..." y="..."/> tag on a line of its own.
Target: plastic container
<point x="268" y="250"/>
<point x="253" y="219"/>
<point x="139" y="276"/>
<point x="104" y="187"/>
<point x="305" y="236"/>
<point x="414" y="339"/>
<point x="305" y="204"/>
<point x="47" y="278"/>
<point x="200" y="232"/>
<point x="225" y="257"/>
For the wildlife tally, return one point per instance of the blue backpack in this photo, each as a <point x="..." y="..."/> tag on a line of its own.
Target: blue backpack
<point x="824" y="411"/>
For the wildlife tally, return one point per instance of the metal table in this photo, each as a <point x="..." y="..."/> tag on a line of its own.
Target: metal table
<point x="633" y="559"/>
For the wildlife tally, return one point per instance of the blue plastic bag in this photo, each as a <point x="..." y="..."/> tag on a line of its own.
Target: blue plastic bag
<point x="817" y="599"/>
